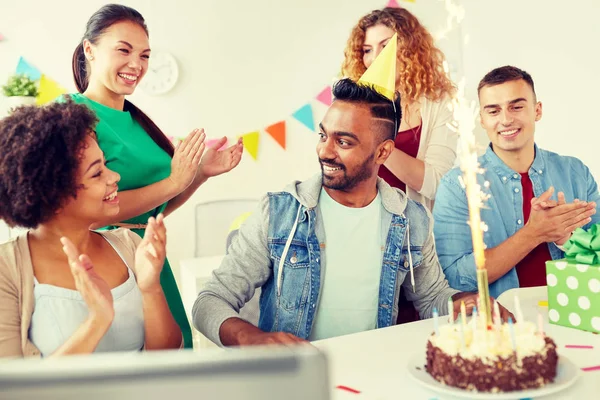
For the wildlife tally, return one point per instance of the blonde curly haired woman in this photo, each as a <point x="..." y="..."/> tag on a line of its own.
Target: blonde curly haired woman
<point x="425" y="147"/>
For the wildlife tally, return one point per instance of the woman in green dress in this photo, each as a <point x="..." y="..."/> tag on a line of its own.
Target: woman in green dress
<point x="108" y="64"/>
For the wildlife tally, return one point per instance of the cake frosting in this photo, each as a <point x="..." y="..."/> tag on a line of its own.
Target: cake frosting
<point x="491" y="359"/>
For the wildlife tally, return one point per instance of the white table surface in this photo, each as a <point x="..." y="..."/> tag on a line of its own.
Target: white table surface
<point x="375" y="362"/>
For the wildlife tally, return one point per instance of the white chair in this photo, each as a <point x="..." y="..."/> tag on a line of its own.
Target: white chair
<point x="213" y="222"/>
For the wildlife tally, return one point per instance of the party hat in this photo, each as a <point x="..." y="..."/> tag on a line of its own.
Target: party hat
<point x="382" y="73"/>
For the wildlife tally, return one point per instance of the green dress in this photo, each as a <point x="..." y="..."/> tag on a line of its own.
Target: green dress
<point x="129" y="151"/>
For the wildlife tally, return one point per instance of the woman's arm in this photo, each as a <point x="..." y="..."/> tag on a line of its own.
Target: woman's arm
<point x="408" y="169"/>
<point x="424" y="175"/>
<point x="162" y="331"/>
<point x="98" y="298"/>
<point x="10" y="309"/>
<point x="85" y="339"/>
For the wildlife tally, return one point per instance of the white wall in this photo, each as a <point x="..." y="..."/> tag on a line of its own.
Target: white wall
<point x="247" y="64"/>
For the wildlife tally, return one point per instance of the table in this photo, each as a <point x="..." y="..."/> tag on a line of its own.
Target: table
<point x="374" y="362"/>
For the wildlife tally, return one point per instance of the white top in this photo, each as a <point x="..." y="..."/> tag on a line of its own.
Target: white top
<point x="59" y="312"/>
<point x="437" y="148"/>
<point x="350" y="282"/>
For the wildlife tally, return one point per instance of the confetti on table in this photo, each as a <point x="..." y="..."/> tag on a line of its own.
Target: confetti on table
<point x="347" y="389"/>
<point x="594" y="368"/>
<point x="543" y="303"/>
<point x="578" y="346"/>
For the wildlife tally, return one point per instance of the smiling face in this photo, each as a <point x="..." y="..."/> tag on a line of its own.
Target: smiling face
<point x="508" y="113"/>
<point x="350" y="148"/>
<point x="119" y="58"/>
<point x="97" y="193"/>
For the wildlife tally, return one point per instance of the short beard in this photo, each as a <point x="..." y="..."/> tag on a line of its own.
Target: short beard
<point x="347" y="183"/>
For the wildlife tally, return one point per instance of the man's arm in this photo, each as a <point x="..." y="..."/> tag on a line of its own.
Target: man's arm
<point x="431" y="286"/>
<point x="246" y="267"/>
<point x="453" y="234"/>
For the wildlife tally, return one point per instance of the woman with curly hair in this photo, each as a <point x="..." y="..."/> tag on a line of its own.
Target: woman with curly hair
<point x="65" y="289"/>
<point x="425" y="146"/>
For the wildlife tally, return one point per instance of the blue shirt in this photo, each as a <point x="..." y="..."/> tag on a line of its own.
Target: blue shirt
<point x="502" y="212"/>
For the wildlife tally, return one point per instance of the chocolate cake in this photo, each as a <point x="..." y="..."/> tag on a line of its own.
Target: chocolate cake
<point x="491" y="359"/>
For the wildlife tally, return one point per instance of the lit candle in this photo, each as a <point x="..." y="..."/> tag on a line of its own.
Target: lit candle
<point x="511" y="330"/>
<point x="518" y="312"/>
<point x="496" y="312"/>
<point x="462" y="336"/>
<point x="450" y="310"/>
<point x="463" y="313"/>
<point x="474" y="319"/>
<point x="435" y="321"/>
<point x="540" y="321"/>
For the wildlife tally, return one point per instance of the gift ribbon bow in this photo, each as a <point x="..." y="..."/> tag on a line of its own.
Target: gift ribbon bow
<point x="584" y="246"/>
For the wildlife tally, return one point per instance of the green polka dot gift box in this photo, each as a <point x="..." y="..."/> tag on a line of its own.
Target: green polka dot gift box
<point x="574" y="283"/>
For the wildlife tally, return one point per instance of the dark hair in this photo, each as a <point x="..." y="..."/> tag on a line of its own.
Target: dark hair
<point x="40" y="152"/>
<point x="504" y="74"/>
<point x="381" y="107"/>
<point x="99" y="22"/>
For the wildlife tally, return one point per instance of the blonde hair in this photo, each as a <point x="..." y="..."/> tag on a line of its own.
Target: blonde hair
<point x="419" y="60"/>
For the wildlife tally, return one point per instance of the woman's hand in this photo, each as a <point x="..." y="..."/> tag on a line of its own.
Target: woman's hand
<point x="94" y="290"/>
<point x="216" y="162"/>
<point x="186" y="159"/>
<point x="150" y="255"/>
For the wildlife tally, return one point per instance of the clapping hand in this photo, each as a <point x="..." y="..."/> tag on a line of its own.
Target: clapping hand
<point x="216" y="162"/>
<point x="150" y="255"/>
<point x="186" y="159"/>
<point x="94" y="290"/>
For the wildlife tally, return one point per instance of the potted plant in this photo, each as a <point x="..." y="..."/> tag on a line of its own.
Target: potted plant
<point x="20" y="90"/>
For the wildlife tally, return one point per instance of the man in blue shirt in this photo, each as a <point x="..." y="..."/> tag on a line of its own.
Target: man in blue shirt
<point x="536" y="197"/>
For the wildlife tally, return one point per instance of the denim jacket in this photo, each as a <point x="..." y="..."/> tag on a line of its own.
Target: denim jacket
<point x="288" y="226"/>
<point x="502" y="212"/>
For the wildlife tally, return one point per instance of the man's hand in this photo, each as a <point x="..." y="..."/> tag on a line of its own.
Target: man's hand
<point x="237" y="332"/>
<point x="553" y="221"/>
<point x="268" y="338"/>
<point x="470" y="300"/>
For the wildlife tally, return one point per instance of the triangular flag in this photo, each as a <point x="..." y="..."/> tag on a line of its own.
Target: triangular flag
<point x="382" y="73"/>
<point x="251" y="143"/>
<point x="24" y="68"/>
<point x="325" y="96"/>
<point x="49" y="90"/>
<point x="305" y="115"/>
<point x="277" y="132"/>
<point x="393" y="4"/>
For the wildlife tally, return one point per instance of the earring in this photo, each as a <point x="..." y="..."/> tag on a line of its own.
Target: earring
<point x="91" y="58"/>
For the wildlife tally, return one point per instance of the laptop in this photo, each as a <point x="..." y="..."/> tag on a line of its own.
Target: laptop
<point x="297" y="373"/>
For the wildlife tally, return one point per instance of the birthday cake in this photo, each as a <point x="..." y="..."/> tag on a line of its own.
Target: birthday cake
<point x="501" y="358"/>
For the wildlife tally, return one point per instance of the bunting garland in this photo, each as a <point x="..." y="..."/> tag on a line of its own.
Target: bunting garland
<point x="49" y="90"/>
<point x="277" y="132"/>
<point x="251" y="143"/>
<point x="304" y="115"/>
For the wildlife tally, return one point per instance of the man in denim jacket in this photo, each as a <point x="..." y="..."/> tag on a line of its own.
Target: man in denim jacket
<point x="527" y="223"/>
<point x="331" y="254"/>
